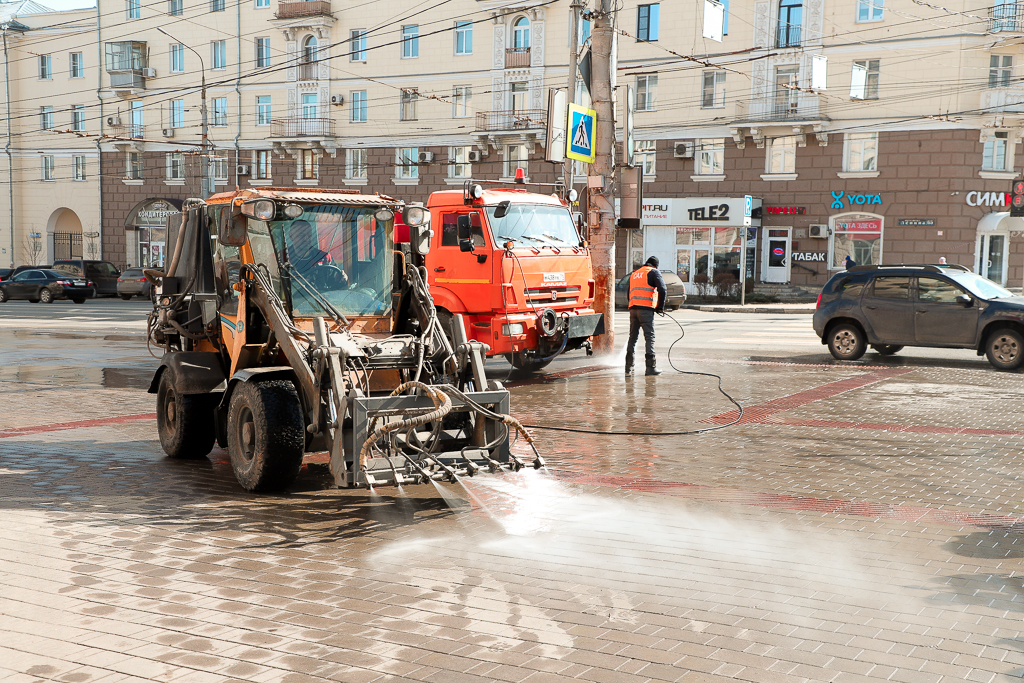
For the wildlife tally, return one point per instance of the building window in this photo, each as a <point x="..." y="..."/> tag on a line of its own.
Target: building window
<point x="462" y="97"/>
<point x="647" y="23"/>
<point x="995" y="156"/>
<point x="134" y="166"/>
<point x="262" y="4"/>
<point x="646" y="87"/>
<point x="864" y="79"/>
<point x="409" y="99"/>
<point x="175" y="166"/>
<point x="262" y="52"/>
<point x="410" y="41"/>
<point x="406" y="159"/>
<point x="177" y="58"/>
<point x="220" y="54"/>
<point x="134" y="9"/>
<point x="713" y="91"/>
<point x="645" y="154"/>
<point x="263" y="110"/>
<point x="45" y="67"/>
<point x="137" y="124"/>
<point x="858" y="236"/>
<point x="791" y="13"/>
<point x="781" y="155"/>
<point x="219" y="168"/>
<point x="725" y="18"/>
<point x="79" y="168"/>
<point x="261" y="166"/>
<point x="220" y="111"/>
<point x="309" y="165"/>
<point x="861" y="152"/>
<point x="463" y="37"/>
<point x="77" y="117"/>
<point x="47" y="168"/>
<point x="458" y="164"/>
<point x="869" y="10"/>
<point x="355" y="164"/>
<point x="1000" y="70"/>
<point x="176" y="113"/>
<point x="46" y="117"/>
<point x="516" y="156"/>
<point x="357" y="38"/>
<point x="176" y="7"/>
<point x="521" y="33"/>
<point x="357" y="106"/>
<point x="710" y="156"/>
<point x="77" y="69"/>
<point x="787" y="100"/>
<point x="310" y="106"/>
<point x="217" y="5"/>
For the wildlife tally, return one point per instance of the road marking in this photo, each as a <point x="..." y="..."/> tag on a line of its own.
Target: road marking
<point x="78" y="424"/>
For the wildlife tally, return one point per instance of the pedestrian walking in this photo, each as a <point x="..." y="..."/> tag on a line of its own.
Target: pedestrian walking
<point x="647" y="294"/>
<point x="850" y="263"/>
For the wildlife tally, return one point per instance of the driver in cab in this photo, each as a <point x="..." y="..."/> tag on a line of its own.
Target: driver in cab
<point x="305" y="254"/>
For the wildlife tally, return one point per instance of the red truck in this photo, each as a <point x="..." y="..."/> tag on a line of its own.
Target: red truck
<point x="512" y="263"/>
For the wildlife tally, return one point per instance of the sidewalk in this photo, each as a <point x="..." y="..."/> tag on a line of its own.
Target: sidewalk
<point x="783" y="308"/>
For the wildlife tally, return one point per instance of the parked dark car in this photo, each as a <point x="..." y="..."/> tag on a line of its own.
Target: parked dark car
<point x="46" y="286"/>
<point x="674" y="286"/>
<point x="889" y="307"/>
<point x="22" y="269"/>
<point x="102" y="273"/>
<point x="6" y="273"/>
<point x="133" y="282"/>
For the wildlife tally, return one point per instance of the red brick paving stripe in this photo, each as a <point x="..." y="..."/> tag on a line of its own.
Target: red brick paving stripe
<point x="908" y="513"/>
<point x="888" y="427"/>
<point x="78" y="424"/>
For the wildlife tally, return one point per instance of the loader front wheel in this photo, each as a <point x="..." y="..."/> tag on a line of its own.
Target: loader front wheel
<point x="185" y="423"/>
<point x="266" y="438"/>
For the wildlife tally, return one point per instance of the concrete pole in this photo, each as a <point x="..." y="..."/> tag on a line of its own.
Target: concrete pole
<point x="574" y="58"/>
<point x="601" y="200"/>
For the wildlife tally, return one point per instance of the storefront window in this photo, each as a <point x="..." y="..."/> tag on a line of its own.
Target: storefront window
<point x="858" y="236"/>
<point x="693" y="235"/>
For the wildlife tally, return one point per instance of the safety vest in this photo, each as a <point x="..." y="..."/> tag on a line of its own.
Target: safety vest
<point x="641" y="293"/>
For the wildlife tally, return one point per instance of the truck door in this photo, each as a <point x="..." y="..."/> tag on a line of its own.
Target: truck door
<point x="463" y="272"/>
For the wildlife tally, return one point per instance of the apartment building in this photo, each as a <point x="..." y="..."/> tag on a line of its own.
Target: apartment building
<point x="880" y="129"/>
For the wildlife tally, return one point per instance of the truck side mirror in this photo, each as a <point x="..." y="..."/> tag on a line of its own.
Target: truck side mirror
<point x="419" y="238"/>
<point x="501" y="210"/>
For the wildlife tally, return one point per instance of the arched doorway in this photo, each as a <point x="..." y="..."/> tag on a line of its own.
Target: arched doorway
<point x="63" y="235"/>
<point x="145" y="231"/>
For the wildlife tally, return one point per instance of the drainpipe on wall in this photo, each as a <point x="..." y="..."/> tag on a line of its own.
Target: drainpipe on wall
<point x="238" y="82"/>
<point x="7" y="148"/>
<point x="99" y="148"/>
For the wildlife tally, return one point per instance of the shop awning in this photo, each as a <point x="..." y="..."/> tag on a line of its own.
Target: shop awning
<point x="1000" y="221"/>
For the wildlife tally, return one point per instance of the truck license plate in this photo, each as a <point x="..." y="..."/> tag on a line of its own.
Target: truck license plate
<point x="554" y="277"/>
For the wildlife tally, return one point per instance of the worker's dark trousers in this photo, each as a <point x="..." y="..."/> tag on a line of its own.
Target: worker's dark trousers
<point x="641" y="317"/>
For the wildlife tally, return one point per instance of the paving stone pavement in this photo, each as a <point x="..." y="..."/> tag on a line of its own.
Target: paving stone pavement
<point x="859" y="523"/>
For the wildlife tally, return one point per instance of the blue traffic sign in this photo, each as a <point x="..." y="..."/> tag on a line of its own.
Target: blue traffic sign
<point x="580" y="141"/>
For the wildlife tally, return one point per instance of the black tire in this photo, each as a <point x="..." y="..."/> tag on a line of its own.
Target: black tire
<point x="3" y="295"/>
<point x="185" y="423"/>
<point x="886" y="349"/>
<point x="126" y="297"/>
<point x="79" y="301"/>
<point x="447" y="322"/>
<point x="33" y="301"/>
<point x="1005" y="349"/>
<point x="46" y="296"/>
<point x="519" y="362"/>
<point x="266" y="437"/>
<point x="846" y="342"/>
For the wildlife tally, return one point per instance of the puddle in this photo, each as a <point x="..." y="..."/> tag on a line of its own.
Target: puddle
<point x="109" y="378"/>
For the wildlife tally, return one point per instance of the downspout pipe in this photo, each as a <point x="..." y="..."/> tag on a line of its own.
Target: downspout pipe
<point x="99" y="147"/>
<point x="238" y="83"/>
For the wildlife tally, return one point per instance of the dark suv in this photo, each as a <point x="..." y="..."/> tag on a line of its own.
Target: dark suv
<point x="890" y="307"/>
<point x="103" y="273"/>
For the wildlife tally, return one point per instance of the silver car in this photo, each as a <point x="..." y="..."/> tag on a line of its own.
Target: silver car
<point x="133" y="282"/>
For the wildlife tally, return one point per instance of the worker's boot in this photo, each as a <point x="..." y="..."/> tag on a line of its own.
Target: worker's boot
<point x="629" y="364"/>
<point x="652" y="365"/>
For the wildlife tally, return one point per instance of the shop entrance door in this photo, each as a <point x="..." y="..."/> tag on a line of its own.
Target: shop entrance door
<point x="991" y="252"/>
<point x="775" y="256"/>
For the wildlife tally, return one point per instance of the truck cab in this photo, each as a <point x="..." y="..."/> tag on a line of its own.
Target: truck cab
<point x="512" y="263"/>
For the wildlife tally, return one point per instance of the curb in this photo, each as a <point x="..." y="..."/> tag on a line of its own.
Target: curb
<point x="748" y="309"/>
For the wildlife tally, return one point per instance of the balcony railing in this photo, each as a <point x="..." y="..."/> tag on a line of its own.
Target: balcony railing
<point x="309" y="72"/>
<point x="1009" y="100"/>
<point x="520" y="119"/>
<point x="788" y="35"/>
<point x="297" y="127"/>
<point x="807" y="107"/>
<point x="1007" y="16"/>
<point x="309" y="8"/>
<point x="517" y="57"/>
<point x="127" y="79"/>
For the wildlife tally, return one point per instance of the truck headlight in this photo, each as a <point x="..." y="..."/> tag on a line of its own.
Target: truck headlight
<point x="264" y="209"/>
<point x="512" y="329"/>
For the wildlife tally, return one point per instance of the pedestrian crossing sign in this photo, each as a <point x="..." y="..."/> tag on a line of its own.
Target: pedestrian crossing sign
<point x="580" y="140"/>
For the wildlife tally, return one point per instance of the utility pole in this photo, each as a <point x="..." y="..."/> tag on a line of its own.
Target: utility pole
<point x="574" y="59"/>
<point x="204" y="156"/>
<point x="600" y="184"/>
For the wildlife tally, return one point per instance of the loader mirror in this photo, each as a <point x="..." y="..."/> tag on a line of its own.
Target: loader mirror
<point x="501" y="210"/>
<point x="419" y="238"/>
<point x="232" y="229"/>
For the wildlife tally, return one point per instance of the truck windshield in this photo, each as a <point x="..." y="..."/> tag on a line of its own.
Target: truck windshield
<point x="340" y="255"/>
<point x="536" y="223"/>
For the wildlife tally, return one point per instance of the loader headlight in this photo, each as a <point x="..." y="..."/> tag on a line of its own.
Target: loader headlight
<point x="512" y="329"/>
<point x="384" y="215"/>
<point x="264" y="209"/>
<point x="293" y="210"/>
<point x="415" y="215"/>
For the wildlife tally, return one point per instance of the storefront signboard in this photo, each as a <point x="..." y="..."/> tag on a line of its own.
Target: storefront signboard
<point x="916" y="221"/>
<point x="693" y="211"/>
<point x="851" y="199"/>
<point x="785" y="210"/>
<point x="809" y="256"/>
<point x="975" y="198"/>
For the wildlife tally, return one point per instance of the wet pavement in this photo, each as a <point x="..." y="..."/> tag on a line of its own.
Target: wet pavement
<point x="857" y="522"/>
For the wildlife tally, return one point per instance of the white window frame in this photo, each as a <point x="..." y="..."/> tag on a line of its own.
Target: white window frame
<point x="411" y="41"/>
<point x="406" y="160"/>
<point x="784" y="149"/>
<point x="76" y="65"/>
<point x="458" y="165"/>
<point x="653" y="22"/>
<point x="646" y="156"/>
<point x="993" y="142"/>
<point x="408" y="99"/>
<point x="47" y="168"/>
<point x="78" y="117"/>
<point x="709" y="157"/>
<point x="262" y="44"/>
<point x="510" y="165"/>
<point x="357" y="106"/>
<point x="176" y="113"/>
<point x="133" y="8"/>
<point x="174" y="166"/>
<point x="45" y="68"/>
<point x="462" y="100"/>
<point x="357" y="39"/>
<point x="865" y="77"/>
<point x="176" y="8"/>
<point x="1000" y="71"/>
<point x="263" y="110"/>
<point x="219" y="52"/>
<point x="863" y="147"/>
<point x="219" y="168"/>
<point x="646" y="94"/>
<point x="135" y="166"/>
<point x="262" y="4"/>
<point x="356" y="164"/>
<point x="716" y="81"/>
<point x="220" y="112"/>
<point x="262" y="157"/>
<point x="46" y="117"/>
<point x="464" y="34"/>
<point x="870" y="8"/>
<point x="78" y="168"/>
<point x="177" y="54"/>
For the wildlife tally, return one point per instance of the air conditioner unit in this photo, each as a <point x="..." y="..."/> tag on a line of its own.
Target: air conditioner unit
<point x="242" y="169"/>
<point x="149" y="73"/>
<point x="168" y="132"/>
<point x="472" y="156"/>
<point x="683" y="150"/>
<point x="425" y="157"/>
<point x="113" y="121"/>
<point x="817" y="231"/>
<point x="338" y="99"/>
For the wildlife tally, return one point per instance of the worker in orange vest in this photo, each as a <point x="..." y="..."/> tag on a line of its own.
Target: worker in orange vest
<point x="647" y="294"/>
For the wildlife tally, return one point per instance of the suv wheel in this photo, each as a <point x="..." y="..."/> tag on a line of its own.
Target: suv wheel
<point x="886" y="349"/>
<point x="1005" y="349"/>
<point x="846" y="342"/>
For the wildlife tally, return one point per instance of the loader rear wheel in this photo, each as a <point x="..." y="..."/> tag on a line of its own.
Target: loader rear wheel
<point x="520" y="362"/>
<point x="185" y="423"/>
<point x="266" y="438"/>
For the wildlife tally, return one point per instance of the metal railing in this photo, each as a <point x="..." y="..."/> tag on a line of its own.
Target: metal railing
<point x="1007" y="16"/>
<point x="809" y="107"/>
<point x="309" y="71"/>
<point x="519" y="119"/>
<point x="297" y="127"/>
<point x="788" y="35"/>
<point x="1008" y="100"/>
<point x="516" y="57"/>
<point x="309" y="8"/>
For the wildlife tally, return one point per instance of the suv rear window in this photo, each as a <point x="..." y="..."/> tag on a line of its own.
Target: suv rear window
<point x="69" y="268"/>
<point x="101" y="269"/>
<point x="892" y="287"/>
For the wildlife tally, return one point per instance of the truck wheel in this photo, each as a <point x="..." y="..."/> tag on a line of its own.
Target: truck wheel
<point x="1005" y="349"/>
<point x="185" y="423"/>
<point x="846" y="342"/>
<point x="266" y="438"/>
<point x="46" y="296"/>
<point x="520" y="362"/>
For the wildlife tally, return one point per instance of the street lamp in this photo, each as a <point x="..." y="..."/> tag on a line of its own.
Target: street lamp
<point x="204" y="158"/>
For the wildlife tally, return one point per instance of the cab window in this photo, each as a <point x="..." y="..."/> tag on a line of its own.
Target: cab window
<point x="892" y="288"/>
<point x="450" y="229"/>
<point x="934" y="290"/>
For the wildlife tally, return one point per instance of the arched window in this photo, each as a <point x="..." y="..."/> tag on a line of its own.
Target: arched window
<point x="521" y="33"/>
<point x="309" y="50"/>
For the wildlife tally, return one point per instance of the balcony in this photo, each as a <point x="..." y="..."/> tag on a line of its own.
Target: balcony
<point x="517" y="57"/>
<point x="1007" y="17"/>
<point x="787" y="35"/>
<point x="309" y="8"/>
<point x="511" y="120"/>
<point x="1009" y="100"/>
<point x="298" y="127"/>
<point x="804" y="107"/>
<point x="127" y="79"/>
<point x="309" y="72"/>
